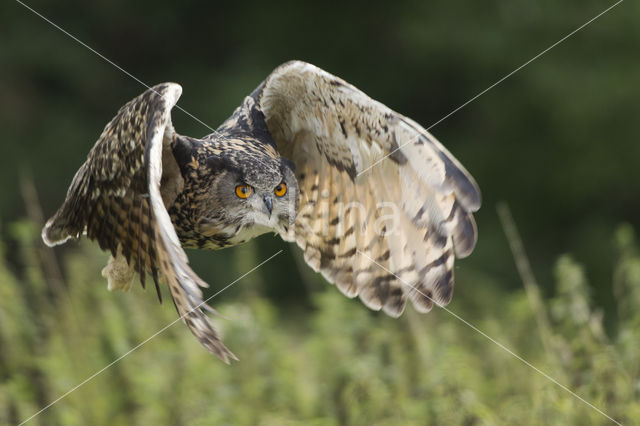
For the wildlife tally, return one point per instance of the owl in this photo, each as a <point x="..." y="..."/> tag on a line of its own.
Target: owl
<point x="378" y="206"/>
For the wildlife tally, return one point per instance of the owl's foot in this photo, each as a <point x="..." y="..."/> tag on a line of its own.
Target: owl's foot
<point x="118" y="273"/>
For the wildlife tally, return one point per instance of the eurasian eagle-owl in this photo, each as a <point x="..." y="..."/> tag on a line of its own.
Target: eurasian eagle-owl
<point x="375" y="202"/>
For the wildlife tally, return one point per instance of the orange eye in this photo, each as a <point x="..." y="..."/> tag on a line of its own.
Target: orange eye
<point x="244" y="191"/>
<point x="280" y="190"/>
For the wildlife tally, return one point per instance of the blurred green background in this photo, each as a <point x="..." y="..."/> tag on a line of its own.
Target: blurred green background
<point x="557" y="142"/>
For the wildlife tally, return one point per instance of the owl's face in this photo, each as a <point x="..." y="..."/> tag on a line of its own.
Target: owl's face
<point x="255" y="195"/>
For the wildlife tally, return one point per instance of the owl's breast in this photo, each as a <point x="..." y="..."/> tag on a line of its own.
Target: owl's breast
<point x="212" y="234"/>
<point x="248" y="232"/>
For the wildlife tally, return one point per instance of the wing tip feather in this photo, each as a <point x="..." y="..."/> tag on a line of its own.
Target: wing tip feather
<point x="53" y="235"/>
<point x="465" y="234"/>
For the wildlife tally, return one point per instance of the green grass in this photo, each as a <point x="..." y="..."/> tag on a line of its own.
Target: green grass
<point x="336" y="364"/>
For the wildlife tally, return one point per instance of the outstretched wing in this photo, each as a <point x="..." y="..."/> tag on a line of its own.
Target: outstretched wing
<point x="115" y="198"/>
<point x="384" y="207"/>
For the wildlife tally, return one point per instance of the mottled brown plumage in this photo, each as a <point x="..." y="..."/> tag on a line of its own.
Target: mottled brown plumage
<point x="363" y="182"/>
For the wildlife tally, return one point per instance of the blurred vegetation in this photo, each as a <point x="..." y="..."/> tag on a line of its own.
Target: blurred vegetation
<point x="557" y="141"/>
<point x="337" y="364"/>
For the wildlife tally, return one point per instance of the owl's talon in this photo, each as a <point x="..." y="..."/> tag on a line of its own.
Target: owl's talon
<point x="118" y="273"/>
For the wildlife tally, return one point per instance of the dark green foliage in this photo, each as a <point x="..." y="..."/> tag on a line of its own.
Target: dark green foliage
<point x="336" y="364"/>
<point x="557" y="141"/>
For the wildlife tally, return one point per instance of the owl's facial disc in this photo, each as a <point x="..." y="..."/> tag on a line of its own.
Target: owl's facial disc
<point x="268" y="207"/>
<point x="264" y="195"/>
<point x="249" y="197"/>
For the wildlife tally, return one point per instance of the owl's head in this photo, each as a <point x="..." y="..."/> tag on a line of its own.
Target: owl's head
<point x="257" y="193"/>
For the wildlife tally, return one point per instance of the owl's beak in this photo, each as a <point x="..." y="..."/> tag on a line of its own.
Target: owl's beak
<point x="267" y="202"/>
